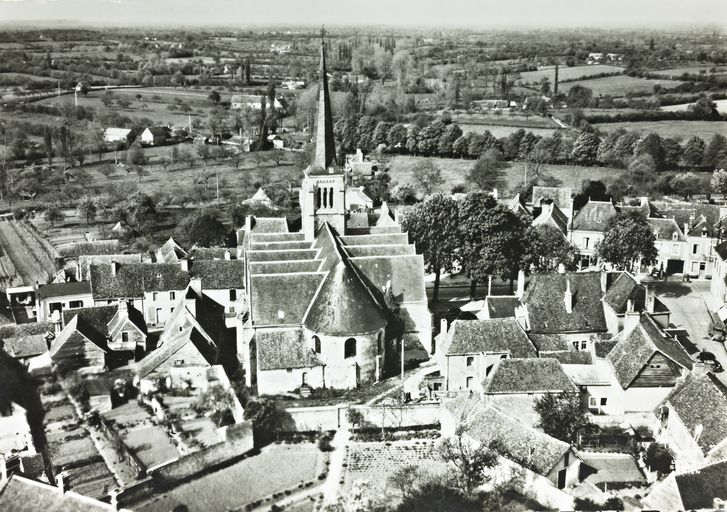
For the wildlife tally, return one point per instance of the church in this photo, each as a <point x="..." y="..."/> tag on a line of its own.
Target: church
<point x="332" y="305"/>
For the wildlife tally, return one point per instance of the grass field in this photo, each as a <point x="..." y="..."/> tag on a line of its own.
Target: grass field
<point x="721" y="106"/>
<point x="455" y="172"/>
<point x="619" y="85"/>
<point x="680" y="129"/>
<point x="567" y="73"/>
<point x="504" y="131"/>
<point x="692" y="70"/>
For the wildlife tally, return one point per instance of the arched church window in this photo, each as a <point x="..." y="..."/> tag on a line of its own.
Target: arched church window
<point x="318" y="198"/>
<point x="349" y="348"/>
<point x="316" y="344"/>
<point x="330" y="197"/>
<point x="325" y="197"/>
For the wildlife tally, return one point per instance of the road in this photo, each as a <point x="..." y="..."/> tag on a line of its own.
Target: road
<point x="688" y="305"/>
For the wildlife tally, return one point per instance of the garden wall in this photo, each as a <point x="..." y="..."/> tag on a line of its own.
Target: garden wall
<point x="331" y="417"/>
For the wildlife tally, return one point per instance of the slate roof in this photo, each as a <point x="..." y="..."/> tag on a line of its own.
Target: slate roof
<point x="545" y="303"/>
<point x="49" y="291"/>
<point x="551" y="215"/>
<point x="528" y="447"/>
<point x="550" y="342"/>
<point x="702" y="400"/>
<point x="587" y="374"/>
<point x="561" y="196"/>
<point x="86" y="260"/>
<point x="283" y="349"/>
<point x="171" y="251"/>
<point x="624" y="288"/>
<point x="269" y="225"/>
<point x="699" y="488"/>
<point x="642" y="205"/>
<point x="97" y="323"/>
<point x="635" y="348"/>
<point x="21" y="494"/>
<point x="537" y="375"/>
<point x="664" y="229"/>
<point x="133" y="280"/>
<point x="218" y="274"/>
<point x="289" y="293"/>
<point x="593" y="216"/>
<point x="188" y="335"/>
<point x="29" y="345"/>
<point x="343" y="305"/>
<point x="404" y="272"/>
<point x="357" y="220"/>
<point x="721" y="250"/>
<point x="501" y="306"/>
<point x="570" y="356"/>
<point x="701" y="225"/>
<point x="497" y="335"/>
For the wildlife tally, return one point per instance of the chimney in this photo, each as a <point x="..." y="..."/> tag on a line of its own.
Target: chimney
<point x="61" y="482"/>
<point x="686" y="228"/>
<point x="561" y="268"/>
<point x="495" y="194"/>
<point x="281" y="315"/>
<point x="489" y="285"/>
<point x="604" y="281"/>
<point x="227" y="256"/>
<point x="442" y="325"/>
<point x="568" y="297"/>
<point x="123" y="307"/>
<point x="195" y="284"/>
<point x="184" y="265"/>
<point x="114" y="267"/>
<point x="698" y="432"/>
<point x="648" y="299"/>
<point x="631" y="317"/>
<point x="248" y="223"/>
<point x="520" y="284"/>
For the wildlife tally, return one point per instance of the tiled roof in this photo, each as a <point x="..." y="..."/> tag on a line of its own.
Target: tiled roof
<point x="218" y="274"/>
<point x="188" y="335"/>
<point x="462" y="405"/>
<point x="344" y="306"/>
<point x="21" y="494"/>
<point x="379" y="250"/>
<point x="702" y="400"/>
<point x="624" y="288"/>
<point x="405" y="273"/>
<point x="594" y="216"/>
<point x="665" y="229"/>
<point x="570" y="356"/>
<point x="542" y="375"/>
<point x="497" y="335"/>
<point x="269" y="225"/>
<point x="93" y="321"/>
<point x="281" y="255"/>
<point x="553" y="216"/>
<point x="357" y="220"/>
<point x="546" y="305"/>
<point x="561" y="196"/>
<point x="282" y="349"/>
<point x="287" y="293"/>
<point x="29" y="345"/>
<point x="721" y="250"/>
<point x="528" y="447"/>
<point x="380" y="239"/>
<point x="587" y="374"/>
<point x="501" y="306"/>
<point x="551" y="342"/>
<point x="636" y="347"/>
<point x="86" y="260"/>
<point x="284" y="267"/>
<point x="132" y="280"/>
<point x="701" y="226"/>
<point x="47" y="291"/>
<point x="698" y="489"/>
<point x="212" y="253"/>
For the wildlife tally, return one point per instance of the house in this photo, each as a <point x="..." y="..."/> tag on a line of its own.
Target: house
<point x="170" y="252"/>
<point x="358" y="200"/>
<point x="471" y="348"/>
<point x="551" y="215"/>
<point x="671" y="245"/>
<point x="562" y="197"/>
<point x="702" y="238"/>
<point x="647" y="364"/>
<point x="254" y="102"/>
<point x="117" y="135"/>
<point x="328" y="292"/>
<point x="84" y="262"/>
<point x="718" y="285"/>
<point x="532" y="376"/>
<point x="223" y="281"/>
<point x="21" y="494"/>
<point x="701" y="489"/>
<point x="26" y="341"/>
<point x="493" y="306"/>
<point x="152" y="288"/>
<point x="62" y="296"/>
<point x="693" y="420"/>
<point x="155" y="135"/>
<point x="15" y="435"/>
<point x="99" y="337"/>
<point x="595" y="383"/>
<point x="360" y="165"/>
<point x="260" y="198"/>
<point x="626" y="294"/>
<point x="588" y="228"/>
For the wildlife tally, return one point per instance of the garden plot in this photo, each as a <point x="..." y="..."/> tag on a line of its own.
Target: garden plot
<point x="32" y="257"/>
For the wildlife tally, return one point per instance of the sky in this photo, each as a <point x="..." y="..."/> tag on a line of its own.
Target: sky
<point x="402" y="13"/>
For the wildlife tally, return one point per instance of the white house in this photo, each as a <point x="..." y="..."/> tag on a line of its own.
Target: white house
<point x="117" y="135"/>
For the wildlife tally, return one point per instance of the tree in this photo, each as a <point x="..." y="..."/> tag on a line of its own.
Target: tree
<point x="549" y="248"/>
<point x="718" y="183"/>
<point x="651" y="145"/>
<point x="561" y="415"/>
<point x="446" y="142"/>
<point x="579" y="96"/>
<point x="106" y="170"/>
<point x="267" y="419"/>
<point x="53" y="214"/>
<point x="203" y="151"/>
<point x="123" y="103"/>
<point x="401" y="64"/>
<point x="404" y="478"/>
<point x="204" y="229"/>
<point x="488" y="171"/>
<point x="715" y="154"/>
<point x="693" y="152"/>
<point x="437" y="497"/>
<point x="214" y="97"/>
<point x="165" y="162"/>
<point x="672" y="152"/>
<point x="642" y="170"/>
<point x="624" y="148"/>
<point x="427" y="176"/>
<point x="396" y="137"/>
<point x="87" y="209"/>
<point x="628" y="239"/>
<point x="48" y="143"/>
<point x="469" y="461"/>
<point x="135" y="155"/>
<point x="585" y="148"/>
<point x="432" y="226"/>
<point x="687" y="184"/>
<point x="659" y="458"/>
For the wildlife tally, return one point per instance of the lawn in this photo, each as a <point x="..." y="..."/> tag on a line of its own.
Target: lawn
<point x="275" y="469"/>
<point x="619" y="85"/>
<point x="455" y="171"/>
<point x="567" y="73"/>
<point x="681" y="129"/>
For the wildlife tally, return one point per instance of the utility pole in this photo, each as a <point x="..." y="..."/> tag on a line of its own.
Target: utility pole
<point x="403" y="392"/>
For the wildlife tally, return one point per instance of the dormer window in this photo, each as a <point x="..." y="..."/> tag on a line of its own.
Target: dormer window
<point x="125" y="336"/>
<point x="704" y="233"/>
<point x="674" y="236"/>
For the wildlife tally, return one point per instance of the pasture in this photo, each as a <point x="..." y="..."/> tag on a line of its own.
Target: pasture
<point x="567" y="73"/>
<point x="619" y="85"/>
<point x="503" y="131"/>
<point x="455" y="171"/>
<point x="677" y="129"/>
<point x="692" y="70"/>
<point x="721" y="106"/>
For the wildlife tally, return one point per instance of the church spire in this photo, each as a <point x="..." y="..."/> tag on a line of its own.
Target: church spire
<point x="325" y="151"/>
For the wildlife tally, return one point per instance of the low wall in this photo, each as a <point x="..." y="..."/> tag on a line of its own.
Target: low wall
<point x="331" y="417"/>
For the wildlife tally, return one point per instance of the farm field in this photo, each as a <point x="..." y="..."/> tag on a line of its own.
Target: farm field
<point x="567" y="73"/>
<point x="454" y="172"/>
<point x="504" y="131"/>
<point x="721" y="106"/>
<point x="693" y="70"/>
<point x="683" y="129"/>
<point x="285" y="467"/>
<point x="32" y="257"/>
<point x="619" y="85"/>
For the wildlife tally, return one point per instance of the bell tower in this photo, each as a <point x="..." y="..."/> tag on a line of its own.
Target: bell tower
<point x="323" y="191"/>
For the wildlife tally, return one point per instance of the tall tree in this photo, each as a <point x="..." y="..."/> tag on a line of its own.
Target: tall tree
<point x="48" y="143"/>
<point x="470" y="461"/>
<point x="715" y="154"/>
<point x="628" y="239"/>
<point x="204" y="229"/>
<point x="585" y="148"/>
<point x="549" y="248"/>
<point x="427" y="176"/>
<point x="693" y="152"/>
<point x="432" y="226"/>
<point x="488" y="171"/>
<point x="561" y="415"/>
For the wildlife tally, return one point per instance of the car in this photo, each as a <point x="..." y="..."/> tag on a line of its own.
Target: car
<point x="706" y="357"/>
<point x="717" y="367"/>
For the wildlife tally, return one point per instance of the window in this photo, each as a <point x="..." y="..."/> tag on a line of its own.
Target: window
<point x="154" y="296"/>
<point x="233" y="294"/>
<point x="379" y="345"/>
<point x="675" y="248"/>
<point x="604" y="401"/>
<point x="657" y="366"/>
<point x="586" y="242"/>
<point x="675" y="236"/>
<point x="304" y="378"/>
<point x="468" y="382"/>
<point x="125" y="336"/>
<point x="503" y="356"/>
<point x="316" y="344"/>
<point x="580" y="345"/>
<point x="592" y="401"/>
<point x="567" y="458"/>
<point x="172" y="295"/>
<point x="470" y="360"/>
<point x="704" y="233"/>
<point x="695" y="248"/>
<point x="75" y="304"/>
<point x="349" y="348"/>
<point x="289" y="370"/>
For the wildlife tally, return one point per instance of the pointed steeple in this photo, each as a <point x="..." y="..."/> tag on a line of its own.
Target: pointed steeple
<point x="324" y="161"/>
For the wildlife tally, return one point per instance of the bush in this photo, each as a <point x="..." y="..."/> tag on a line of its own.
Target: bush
<point x="659" y="458"/>
<point x="324" y="443"/>
<point x="613" y="503"/>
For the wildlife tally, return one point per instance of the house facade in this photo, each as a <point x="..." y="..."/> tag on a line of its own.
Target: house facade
<point x="62" y="296"/>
